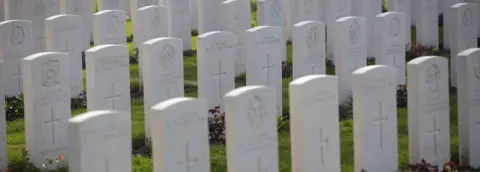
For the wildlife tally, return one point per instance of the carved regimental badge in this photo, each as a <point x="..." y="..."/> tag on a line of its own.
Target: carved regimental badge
<point x="355" y="32"/>
<point x="168" y="57"/>
<point x="433" y="78"/>
<point x="312" y="37"/>
<point x="113" y="24"/>
<point x="394" y="28"/>
<point x="50" y="73"/>
<point x="467" y="17"/>
<point x="18" y="36"/>
<point x="256" y="112"/>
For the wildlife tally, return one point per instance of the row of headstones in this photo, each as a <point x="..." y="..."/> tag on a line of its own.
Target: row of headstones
<point x="100" y="140"/>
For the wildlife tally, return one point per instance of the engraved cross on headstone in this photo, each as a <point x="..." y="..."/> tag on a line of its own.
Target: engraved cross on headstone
<point x="219" y="76"/>
<point x="68" y="49"/>
<point x="380" y="120"/>
<point x="113" y="96"/>
<point x="313" y="69"/>
<point x="189" y="161"/>
<point x="268" y="67"/>
<point x="322" y="142"/>
<point x="52" y="121"/>
<point x="435" y="131"/>
<point x="259" y="166"/>
<point x="19" y="75"/>
<point x="107" y="165"/>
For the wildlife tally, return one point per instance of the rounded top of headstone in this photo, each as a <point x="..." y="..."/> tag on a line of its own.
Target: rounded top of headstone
<point x="262" y="28"/>
<point x="458" y="5"/>
<point x="311" y="78"/>
<point x="347" y="18"/>
<point x="15" y="21"/>
<point x="420" y="60"/>
<point x="174" y="101"/>
<point x="385" y="14"/>
<point x="215" y="34"/>
<point x="91" y="115"/>
<point x="160" y="39"/>
<point x="103" y="12"/>
<point x="372" y="68"/>
<point x="245" y="89"/>
<point x="64" y="17"/>
<point x="44" y="54"/>
<point x="150" y="7"/>
<point x="106" y="47"/>
<point x="234" y="1"/>
<point x="469" y="52"/>
<point x="304" y="23"/>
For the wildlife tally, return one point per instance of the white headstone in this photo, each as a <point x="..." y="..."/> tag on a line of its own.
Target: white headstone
<point x="272" y="13"/>
<point x="215" y="66"/>
<point x="111" y="4"/>
<point x="368" y="9"/>
<point x="16" y="36"/>
<point x="448" y="21"/>
<point x="428" y="110"/>
<point x="251" y="129"/>
<point x="108" y="78"/>
<point x="237" y="19"/>
<point x="3" y="124"/>
<point x="469" y="106"/>
<point x="137" y="27"/>
<point x="301" y="10"/>
<point x="2" y="10"/>
<point x="478" y="15"/>
<point x="84" y="9"/>
<point x="427" y="23"/>
<point x="350" y="52"/>
<point x="180" y="136"/>
<point x="414" y="6"/>
<point x="178" y="12"/>
<point x="403" y="6"/>
<point x="463" y="33"/>
<point x="314" y="126"/>
<point x="209" y="13"/>
<point x="264" y="66"/>
<point x="390" y="30"/>
<point x="47" y="106"/>
<point x="375" y="118"/>
<point x="163" y="73"/>
<point x="335" y="9"/>
<point x="64" y="34"/>
<point x="194" y="14"/>
<point x="109" y="27"/>
<point x="308" y="39"/>
<point x="37" y="11"/>
<point x="13" y="9"/>
<point x="127" y="9"/>
<point x="100" y="141"/>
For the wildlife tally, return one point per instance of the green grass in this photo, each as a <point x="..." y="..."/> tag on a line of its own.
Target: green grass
<point x="16" y="141"/>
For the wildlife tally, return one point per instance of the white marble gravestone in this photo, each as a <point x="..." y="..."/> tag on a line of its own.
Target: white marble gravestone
<point x="194" y="14"/>
<point x="375" y="118"/>
<point x="314" y="126"/>
<point x="47" y="106"/>
<point x="100" y="141"/>
<point x="308" y="39"/>
<point x="301" y="10"/>
<point x="2" y="10"/>
<point x="251" y="129"/>
<point x="427" y="23"/>
<point x="63" y="33"/>
<point x="163" y="73"/>
<point x="237" y="19"/>
<point x="84" y="9"/>
<point x="448" y="19"/>
<point x="37" y="11"/>
<point x="180" y="136"/>
<point x="178" y="12"/>
<point x="108" y="78"/>
<point x="152" y="23"/>
<point x="209" y="13"/>
<point x="3" y="124"/>
<point x="13" y="9"/>
<point x="428" y="110"/>
<point x="468" y="63"/>
<point x="390" y="30"/>
<point x="272" y="13"/>
<point x="463" y="33"/>
<point x="215" y="66"/>
<point x="350" y="52"/>
<point x="109" y="27"/>
<point x="403" y="6"/>
<point x="368" y="9"/>
<point x="335" y="9"/>
<point x="137" y="27"/>
<point x="264" y="66"/>
<point x="478" y="15"/>
<point x="16" y="36"/>
<point x="111" y="4"/>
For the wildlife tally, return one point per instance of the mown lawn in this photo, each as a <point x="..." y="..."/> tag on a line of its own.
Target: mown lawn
<point x="143" y="163"/>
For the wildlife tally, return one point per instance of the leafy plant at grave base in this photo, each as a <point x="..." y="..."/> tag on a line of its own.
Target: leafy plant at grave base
<point x="14" y="108"/>
<point x="253" y="6"/>
<point x="329" y="63"/>
<point x="134" y="59"/>
<point x="194" y="32"/>
<point x="371" y="61"/>
<point x="130" y="38"/>
<point x="216" y="125"/>
<point x="289" y="42"/>
<point x="80" y="101"/>
<point x="424" y="166"/>
<point x="402" y="96"/>
<point x="287" y="69"/>
<point x="189" y="53"/>
<point x="24" y="164"/>
<point x="420" y="50"/>
<point x="283" y="124"/>
<point x="346" y="109"/>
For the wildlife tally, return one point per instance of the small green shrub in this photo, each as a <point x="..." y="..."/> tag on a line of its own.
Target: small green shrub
<point x="24" y="165"/>
<point x="216" y="125"/>
<point x="402" y="96"/>
<point x="420" y="50"/>
<point x="287" y="69"/>
<point x="190" y="53"/>
<point x="346" y="109"/>
<point x="130" y="38"/>
<point x="194" y="32"/>
<point x="14" y="107"/>
<point x="79" y="102"/>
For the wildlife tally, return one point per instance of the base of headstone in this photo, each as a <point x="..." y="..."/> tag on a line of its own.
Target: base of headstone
<point x="189" y="53"/>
